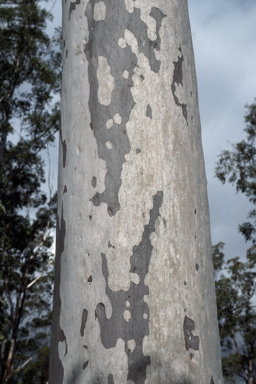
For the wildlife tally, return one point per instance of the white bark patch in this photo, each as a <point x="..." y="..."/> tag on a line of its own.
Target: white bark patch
<point x="135" y="278"/>
<point x="106" y="81"/>
<point x="121" y="43"/>
<point x="131" y="40"/>
<point x="126" y="74"/>
<point x="127" y="304"/>
<point x="180" y="93"/>
<point x="129" y="5"/>
<point x="131" y="344"/>
<point x="109" y="123"/>
<point x="118" y="118"/>
<point x="127" y="315"/>
<point x="62" y="349"/>
<point x="109" y="144"/>
<point x="99" y="11"/>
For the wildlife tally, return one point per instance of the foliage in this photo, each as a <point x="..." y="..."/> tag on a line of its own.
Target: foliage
<point x="29" y="114"/>
<point x="37" y="371"/>
<point x="235" y="292"/>
<point x="236" y="280"/>
<point x="239" y="167"/>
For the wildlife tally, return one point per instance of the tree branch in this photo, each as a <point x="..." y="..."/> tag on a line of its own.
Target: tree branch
<point x="17" y="370"/>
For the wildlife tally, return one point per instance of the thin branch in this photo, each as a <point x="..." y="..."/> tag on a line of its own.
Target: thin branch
<point x="40" y="243"/>
<point x="237" y="350"/>
<point x="51" y="8"/>
<point x="35" y="280"/>
<point x="48" y="138"/>
<point x="236" y="345"/>
<point x="22" y="366"/>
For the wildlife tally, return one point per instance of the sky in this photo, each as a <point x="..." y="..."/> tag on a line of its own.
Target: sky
<point x="224" y="40"/>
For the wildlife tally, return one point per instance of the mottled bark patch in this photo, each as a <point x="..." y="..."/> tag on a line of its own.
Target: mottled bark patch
<point x="130" y="313"/>
<point x="89" y="279"/>
<point x="93" y="182"/>
<point x="64" y="148"/>
<point x="58" y="335"/>
<point x="191" y="341"/>
<point x="83" y="321"/>
<point x="103" y="42"/>
<point x="72" y="7"/>
<point x="158" y="15"/>
<point x="178" y="79"/>
<point x="149" y="111"/>
<point x="110" y="379"/>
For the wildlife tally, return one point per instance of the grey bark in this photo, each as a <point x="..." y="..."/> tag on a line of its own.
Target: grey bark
<point x="134" y="297"/>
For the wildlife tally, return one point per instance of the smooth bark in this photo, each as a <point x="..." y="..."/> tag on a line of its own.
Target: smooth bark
<point x="134" y="297"/>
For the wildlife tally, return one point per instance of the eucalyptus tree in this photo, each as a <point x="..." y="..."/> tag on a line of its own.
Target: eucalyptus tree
<point x="29" y="118"/>
<point x="238" y="167"/>
<point x="134" y="297"/>
<point x="236" y="290"/>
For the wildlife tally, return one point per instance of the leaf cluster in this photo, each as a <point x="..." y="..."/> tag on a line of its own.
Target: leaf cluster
<point x="235" y="293"/>
<point x="30" y="71"/>
<point x="238" y="167"/>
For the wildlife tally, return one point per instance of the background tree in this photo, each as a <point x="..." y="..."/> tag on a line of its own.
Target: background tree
<point x="236" y="287"/>
<point x="29" y="115"/>
<point x="235" y="292"/>
<point x="238" y="167"/>
<point x="36" y="371"/>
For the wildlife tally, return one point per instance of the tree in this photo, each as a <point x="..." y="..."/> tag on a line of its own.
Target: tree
<point x="29" y="115"/>
<point x="37" y="371"/>
<point x="236" y="290"/>
<point x="238" y="167"/>
<point x="134" y="291"/>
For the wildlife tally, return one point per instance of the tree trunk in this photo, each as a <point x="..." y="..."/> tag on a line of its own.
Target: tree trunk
<point x="250" y="373"/>
<point x="134" y="297"/>
<point x="8" y="371"/>
<point x="16" y="318"/>
<point x="3" y="346"/>
<point x="4" y="125"/>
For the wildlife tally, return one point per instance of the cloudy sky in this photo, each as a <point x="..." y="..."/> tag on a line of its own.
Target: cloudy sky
<point x="224" y="38"/>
